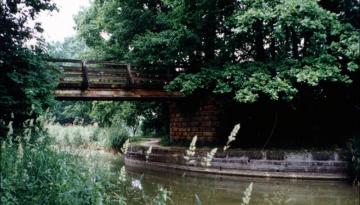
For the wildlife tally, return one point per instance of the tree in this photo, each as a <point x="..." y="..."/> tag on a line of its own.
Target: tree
<point x="246" y="48"/>
<point x="281" y="46"/>
<point x="26" y="80"/>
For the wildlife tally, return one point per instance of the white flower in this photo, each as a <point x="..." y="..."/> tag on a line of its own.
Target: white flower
<point x="105" y="35"/>
<point x="191" y="151"/>
<point x="247" y="194"/>
<point x="20" y="151"/>
<point x="148" y="152"/>
<point x="206" y="161"/>
<point x="125" y="147"/>
<point x="136" y="184"/>
<point x="122" y="177"/>
<point x="232" y="136"/>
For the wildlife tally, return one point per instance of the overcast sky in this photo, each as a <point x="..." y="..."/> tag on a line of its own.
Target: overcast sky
<point x="58" y="25"/>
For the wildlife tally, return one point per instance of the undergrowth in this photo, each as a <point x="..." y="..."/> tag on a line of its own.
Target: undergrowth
<point x="34" y="172"/>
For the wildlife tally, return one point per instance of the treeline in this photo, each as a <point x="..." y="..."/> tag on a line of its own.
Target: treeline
<point x="146" y="118"/>
<point x="26" y="81"/>
<point x="245" y="49"/>
<point x="288" y="69"/>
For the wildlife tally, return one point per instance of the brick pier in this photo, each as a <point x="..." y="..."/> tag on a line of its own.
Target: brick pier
<point x="195" y="116"/>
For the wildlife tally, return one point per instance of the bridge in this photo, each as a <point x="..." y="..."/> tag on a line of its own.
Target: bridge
<point x="104" y="80"/>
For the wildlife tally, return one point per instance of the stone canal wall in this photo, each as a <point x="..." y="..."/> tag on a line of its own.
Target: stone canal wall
<point x="269" y="163"/>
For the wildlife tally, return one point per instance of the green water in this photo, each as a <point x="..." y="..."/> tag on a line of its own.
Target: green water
<point x="229" y="190"/>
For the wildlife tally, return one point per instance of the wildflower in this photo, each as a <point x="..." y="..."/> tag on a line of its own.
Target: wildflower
<point x="10" y="127"/>
<point x="20" y="151"/>
<point x="27" y="134"/>
<point x="125" y="147"/>
<point x="206" y="161"/>
<point x="136" y="184"/>
<point x="122" y="176"/>
<point x="232" y="136"/>
<point x="191" y="151"/>
<point x="148" y="152"/>
<point x="247" y="194"/>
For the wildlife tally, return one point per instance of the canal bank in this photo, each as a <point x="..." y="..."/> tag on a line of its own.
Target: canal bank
<point x="300" y="164"/>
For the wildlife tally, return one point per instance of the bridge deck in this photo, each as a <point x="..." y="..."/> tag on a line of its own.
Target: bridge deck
<point x="99" y="80"/>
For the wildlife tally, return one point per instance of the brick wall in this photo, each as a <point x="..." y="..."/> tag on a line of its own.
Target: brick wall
<point x="195" y="116"/>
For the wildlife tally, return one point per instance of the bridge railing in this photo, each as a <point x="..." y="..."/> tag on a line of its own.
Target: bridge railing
<point x="77" y="74"/>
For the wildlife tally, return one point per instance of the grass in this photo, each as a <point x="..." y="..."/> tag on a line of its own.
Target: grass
<point x="34" y="172"/>
<point x="78" y="136"/>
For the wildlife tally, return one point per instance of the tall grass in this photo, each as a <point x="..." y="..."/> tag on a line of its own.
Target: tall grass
<point x="88" y="136"/>
<point x="33" y="172"/>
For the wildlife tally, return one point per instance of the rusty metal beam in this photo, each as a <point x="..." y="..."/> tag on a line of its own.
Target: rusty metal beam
<point x="115" y="94"/>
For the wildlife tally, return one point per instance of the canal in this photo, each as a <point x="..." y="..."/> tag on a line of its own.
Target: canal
<point x="185" y="187"/>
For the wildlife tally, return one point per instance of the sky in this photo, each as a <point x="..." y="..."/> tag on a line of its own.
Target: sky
<point x="58" y="25"/>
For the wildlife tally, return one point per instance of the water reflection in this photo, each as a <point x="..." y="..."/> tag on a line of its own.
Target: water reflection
<point x="229" y="190"/>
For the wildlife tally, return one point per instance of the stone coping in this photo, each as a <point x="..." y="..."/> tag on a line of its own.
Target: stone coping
<point x="301" y="164"/>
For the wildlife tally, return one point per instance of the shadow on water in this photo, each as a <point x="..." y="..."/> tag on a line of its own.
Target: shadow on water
<point x="228" y="190"/>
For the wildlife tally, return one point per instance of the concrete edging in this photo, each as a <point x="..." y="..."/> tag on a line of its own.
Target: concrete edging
<point x="325" y="165"/>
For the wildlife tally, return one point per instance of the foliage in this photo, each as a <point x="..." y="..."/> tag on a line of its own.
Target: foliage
<point x="26" y="80"/>
<point x="282" y="47"/>
<point x="68" y="112"/>
<point x="116" y="137"/>
<point x="76" y="135"/>
<point x="32" y="172"/>
<point x="70" y="48"/>
<point x="87" y="136"/>
<point x="246" y="49"/>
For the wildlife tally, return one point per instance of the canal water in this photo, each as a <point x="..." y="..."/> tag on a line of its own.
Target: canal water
<point x="185" y="187"/>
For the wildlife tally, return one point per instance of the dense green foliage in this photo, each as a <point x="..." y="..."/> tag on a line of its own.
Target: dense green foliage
<point x="247" y="49"/>
<point x="33" y="172"/>
<point x="280" y="46"/>
<point x="25" y="81"/>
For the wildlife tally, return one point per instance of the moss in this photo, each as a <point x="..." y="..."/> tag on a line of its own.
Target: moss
<point x="275" y="155"/>
<point x="323" y="155"/>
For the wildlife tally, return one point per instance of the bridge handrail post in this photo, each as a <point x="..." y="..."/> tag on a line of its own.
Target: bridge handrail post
<point x="85" y="79"/>
<point x="130" y="77"/>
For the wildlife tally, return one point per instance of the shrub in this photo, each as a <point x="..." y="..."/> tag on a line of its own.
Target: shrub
<point x="116" y="137"/>
<point x="32" y="172"/>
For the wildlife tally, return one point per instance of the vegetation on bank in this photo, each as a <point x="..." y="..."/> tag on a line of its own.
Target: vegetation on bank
<point x="26" y="80"/>
<point x="288" y="70"/>
<point x="276" y="57"/>
<point x="33" y="172"/>
<point x="90" y="136"/>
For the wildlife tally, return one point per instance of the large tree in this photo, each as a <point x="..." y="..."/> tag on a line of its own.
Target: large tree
<point x="284" y="58"/>
<point x="280" y="46"/>
<point x="244" y="48"/>
<point x="25" y="81"/>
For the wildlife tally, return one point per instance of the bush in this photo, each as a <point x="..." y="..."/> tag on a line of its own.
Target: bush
<point x="32" y="172"/>
<point x="76" y="136"/>
<point x="36" y="174"/>
<point x="116" y="137"/>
